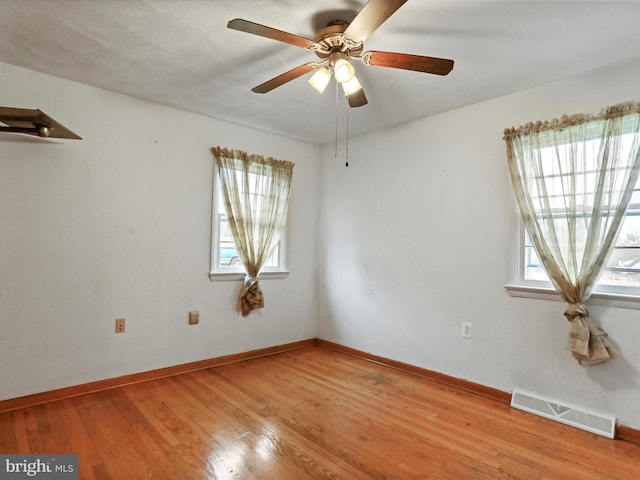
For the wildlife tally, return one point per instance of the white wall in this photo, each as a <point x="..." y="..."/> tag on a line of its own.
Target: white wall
<point x="118" y="225"/>
<point x="419" y="234"/>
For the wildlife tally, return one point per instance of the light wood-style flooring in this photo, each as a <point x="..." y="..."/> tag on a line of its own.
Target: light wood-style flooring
<point x="308" y="414"/>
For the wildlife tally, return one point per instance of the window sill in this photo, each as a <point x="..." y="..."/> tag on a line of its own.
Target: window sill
<point x="234" y="276"/>
<point x="597" y="298"/>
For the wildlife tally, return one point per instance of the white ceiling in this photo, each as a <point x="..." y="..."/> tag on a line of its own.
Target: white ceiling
<point x="181" y="54"/>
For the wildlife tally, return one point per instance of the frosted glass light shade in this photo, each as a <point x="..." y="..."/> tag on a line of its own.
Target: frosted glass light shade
<point x="351" y="86"/>
<point x="320" y="79"/>
<point x="343" y="71"/>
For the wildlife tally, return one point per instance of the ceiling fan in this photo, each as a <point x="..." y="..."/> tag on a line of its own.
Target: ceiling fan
<point x="33" y="122"/>
<point x="340" y="42"/>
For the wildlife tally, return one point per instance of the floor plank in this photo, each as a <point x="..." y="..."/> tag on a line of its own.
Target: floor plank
<point x="311" y="413"/>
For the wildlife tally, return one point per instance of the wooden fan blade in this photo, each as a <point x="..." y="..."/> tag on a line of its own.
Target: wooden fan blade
<point x="284" y="78"/>
<point x="268" y="32"/>
<point x="372" y="15"/>
<point x="405" y="61"/>
<point x="33" y="122"/>
<point x="357" y="99"/>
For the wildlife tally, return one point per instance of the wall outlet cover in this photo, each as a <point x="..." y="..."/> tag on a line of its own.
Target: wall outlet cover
<point x="120" y="322"/>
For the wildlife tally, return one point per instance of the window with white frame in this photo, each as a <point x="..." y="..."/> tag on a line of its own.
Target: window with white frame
<point x="224" y="256"/>
<point x="621" y="275"/>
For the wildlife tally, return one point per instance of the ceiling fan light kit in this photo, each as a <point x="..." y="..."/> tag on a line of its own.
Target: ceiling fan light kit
<point x="343" y="71"/>
<point x="352" y="86"/>
<point x="340" y="42"/>
<point x="320" y="79"/>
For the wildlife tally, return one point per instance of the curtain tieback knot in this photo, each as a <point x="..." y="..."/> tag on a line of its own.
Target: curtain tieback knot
<point x="250" y="297"/>
<point x="249" y="281"/>
<point x="251" y="289"/>
<point x="576" y="310"/>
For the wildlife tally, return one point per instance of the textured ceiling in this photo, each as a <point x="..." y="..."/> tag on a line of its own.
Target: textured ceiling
<point x="180" y="53"/>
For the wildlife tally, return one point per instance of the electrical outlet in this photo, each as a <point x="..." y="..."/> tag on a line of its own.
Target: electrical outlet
<point x="466" y="329"/>
<point x="194" y="317"/>
<point x="119" y="325"/>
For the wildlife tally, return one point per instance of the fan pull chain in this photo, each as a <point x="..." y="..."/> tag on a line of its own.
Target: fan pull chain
<point x="335" y="153"/>
<point x="346" y="163"/>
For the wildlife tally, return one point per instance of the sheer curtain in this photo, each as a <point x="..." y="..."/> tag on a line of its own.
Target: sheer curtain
<point x="573" y="178"/>
<point x="256" y="195"/>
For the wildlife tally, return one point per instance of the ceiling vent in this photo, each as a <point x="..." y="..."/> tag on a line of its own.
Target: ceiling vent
<point x="595" y="422"/>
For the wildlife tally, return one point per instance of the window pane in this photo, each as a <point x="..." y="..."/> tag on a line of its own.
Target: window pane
<point x="533" y="269"/>
<point x="273" y="260"/>
<point x="623" y="268"/>
<point x="227" y="254"/>
<point x="225" y="257"/>
<point x="567" y="170"/>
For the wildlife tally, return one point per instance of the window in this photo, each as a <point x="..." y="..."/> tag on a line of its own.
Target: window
<point x="225" y="262"/>
<point x="621" y="275"/>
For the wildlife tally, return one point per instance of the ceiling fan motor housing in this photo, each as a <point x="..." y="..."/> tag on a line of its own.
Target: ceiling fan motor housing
<point x="331" y="40"/>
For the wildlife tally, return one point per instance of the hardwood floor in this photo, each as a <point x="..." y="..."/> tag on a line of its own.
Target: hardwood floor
<point x="308" y="414"/>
